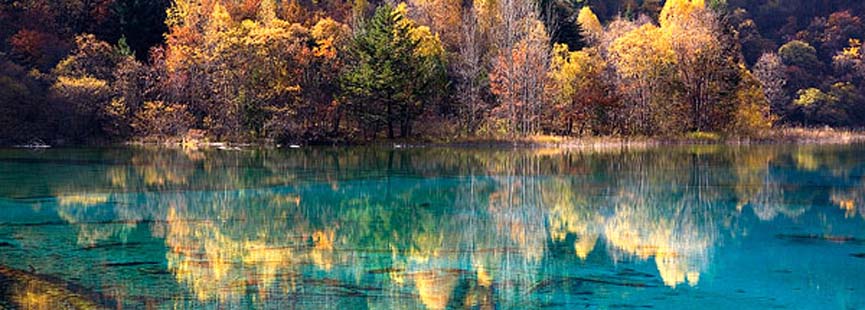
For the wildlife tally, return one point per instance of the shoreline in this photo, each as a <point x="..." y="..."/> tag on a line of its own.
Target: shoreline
<point x="780" y="136"/>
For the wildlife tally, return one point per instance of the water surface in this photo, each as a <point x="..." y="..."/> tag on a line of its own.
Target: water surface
<point x="706" y="227"/>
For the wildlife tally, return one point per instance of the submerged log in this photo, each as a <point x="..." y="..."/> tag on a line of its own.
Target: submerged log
<point x="129" y="264"/>
<point x="25" y="290"/>
<point x="579" y="281"/>
<point x="823" y="238"/>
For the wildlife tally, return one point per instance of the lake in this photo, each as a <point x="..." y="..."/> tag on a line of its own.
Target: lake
<point x="709" y="227"/>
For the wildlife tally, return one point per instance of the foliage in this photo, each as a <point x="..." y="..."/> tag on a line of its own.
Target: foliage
<point x="753" y="109"/>
<point x="589" y="24"/>
<point x="100" y="83"/>
<point x="161" y="120"/>
<point x="470" y="75"/>
<point x="841" y="104"/>
<point x="643" y="59"/>
<point x="801" y="54"/>
<point x="577" y="91"/>
<point x="703" y="136"/>
<point x="393" y="74"/>
<point x="332" y="70"/>
<point x="518" y="78"/>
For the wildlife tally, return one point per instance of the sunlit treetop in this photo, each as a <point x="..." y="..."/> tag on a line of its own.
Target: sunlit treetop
<point x="853" y="50"/>
<point x="328" y="35"/>
<point x="811" y="96"/>
<point x="642" y="52"/>
<point x="428" y="43"/>
<point x="679" y="11"/>
<point x="589" y="22"/>
<point x="267" y="11"/>
<point x="220" y="19"/>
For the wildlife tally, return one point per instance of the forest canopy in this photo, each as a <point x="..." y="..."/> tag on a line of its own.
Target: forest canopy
<point x="323" y="71"/>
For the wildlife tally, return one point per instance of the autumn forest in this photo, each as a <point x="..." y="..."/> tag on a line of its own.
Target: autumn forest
<point x="354" y="71"/>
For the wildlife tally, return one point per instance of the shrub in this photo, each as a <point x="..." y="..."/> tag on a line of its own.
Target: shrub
<point x="158" y="119"/>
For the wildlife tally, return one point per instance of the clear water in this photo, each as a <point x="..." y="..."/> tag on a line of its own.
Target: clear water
<point x="705" y="227"/>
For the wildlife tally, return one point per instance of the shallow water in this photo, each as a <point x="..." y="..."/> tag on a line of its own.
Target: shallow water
<point x="704" y="227"/>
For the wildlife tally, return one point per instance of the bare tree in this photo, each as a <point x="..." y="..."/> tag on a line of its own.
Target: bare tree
<point x="771" y="73"/>
<point x="469" y="70"/>
<point x="519" y="70"/>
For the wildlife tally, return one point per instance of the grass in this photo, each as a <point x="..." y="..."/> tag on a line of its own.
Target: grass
<point x="823" y="135"/>
<point x="703" y="136"/>
<point x="793" y="135"/>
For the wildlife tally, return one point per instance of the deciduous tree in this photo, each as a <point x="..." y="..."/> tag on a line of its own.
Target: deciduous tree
<point x="577" y="89"/>
<point x="644" y="60"/>
<point x="771" y="73"/>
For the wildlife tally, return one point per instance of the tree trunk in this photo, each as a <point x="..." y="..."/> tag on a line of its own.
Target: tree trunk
<point x="389" y="116"/>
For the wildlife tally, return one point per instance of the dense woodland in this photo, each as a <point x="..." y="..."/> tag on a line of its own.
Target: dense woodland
<point x="318" y="71"/>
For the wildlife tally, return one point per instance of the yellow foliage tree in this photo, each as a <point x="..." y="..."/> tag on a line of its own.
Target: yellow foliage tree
<point x="441" y="16"/>
<point x="576" y="86"/>
<point x="328" y="35"/>
<point x="679" y="11"/>
<point x="643" y="60"/>
<point x="753" y="110"/>
<point x="590" y="24"/>
<point x="241" y="74"/>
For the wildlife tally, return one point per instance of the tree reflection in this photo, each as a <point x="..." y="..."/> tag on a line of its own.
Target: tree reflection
<point x="447" y="227"/>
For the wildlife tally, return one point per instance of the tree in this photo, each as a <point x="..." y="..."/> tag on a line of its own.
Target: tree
<point x="801" y="54"/>
<point x="803" y="66"/>
<point x="644" y="61"/>
<point x="394" y="71"/>
<point x="24" y="111"/>
<point x="770" y="71"/>
<point x="812" y="104"/>
<point x="157" y="119"/>
<point x="839" y="105"/>
<point x="590" y="26"/>
<point x="559" y="17"/>
<point x="470" y="70"/>
<point x="705" y="65"/>
<point x="444" y="17"/>
<point x="36" y="48"/>
<point x="94" y="80"/>
<point x="577" y="89"/>
<point x="322" y="111"/>
<point x="240" y="79"/>
<point x="753" y="113"/>
<point x="830" y="34"/>
<point x="519" y="68"/>
<point x="518" y="78"/>
<point x="849" y="63"/>
<point x="142" y="22"/>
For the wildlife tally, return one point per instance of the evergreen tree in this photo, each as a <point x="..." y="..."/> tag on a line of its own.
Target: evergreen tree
<point x="395" y="70"/>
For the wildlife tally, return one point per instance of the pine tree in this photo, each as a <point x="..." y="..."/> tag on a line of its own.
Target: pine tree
<point x="394" y="71"/>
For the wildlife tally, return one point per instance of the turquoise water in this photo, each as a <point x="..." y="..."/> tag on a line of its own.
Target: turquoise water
<point x="703" y="227"/>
